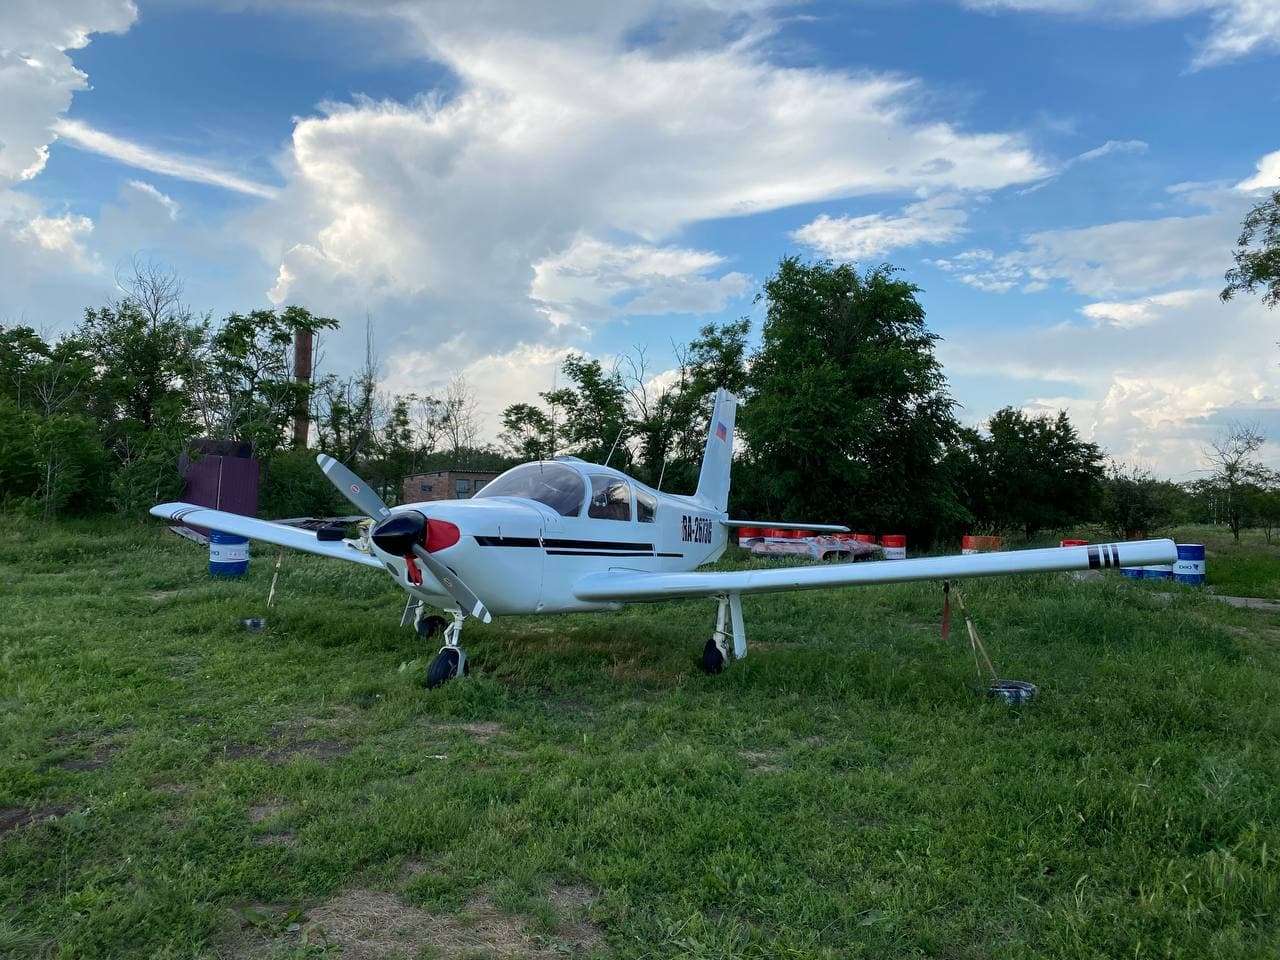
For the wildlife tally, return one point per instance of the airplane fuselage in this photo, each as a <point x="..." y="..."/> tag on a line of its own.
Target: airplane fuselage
<point x="525" y="540"/>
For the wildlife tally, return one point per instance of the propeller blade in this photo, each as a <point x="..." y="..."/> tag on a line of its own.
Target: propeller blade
<point x="467" y="600"/>
<point x="353" y="488"/>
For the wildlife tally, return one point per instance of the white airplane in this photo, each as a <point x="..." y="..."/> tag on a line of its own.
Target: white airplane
<point x="566" y="536"/>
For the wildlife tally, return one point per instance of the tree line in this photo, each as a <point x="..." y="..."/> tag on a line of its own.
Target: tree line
<point x="846" y="417"/>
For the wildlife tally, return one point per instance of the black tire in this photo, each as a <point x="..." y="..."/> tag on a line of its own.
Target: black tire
<point x="429" y="627"/>
<point x="444" y="668"/>
<point x="712" y="659"/>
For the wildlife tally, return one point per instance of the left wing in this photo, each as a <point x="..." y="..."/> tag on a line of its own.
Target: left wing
<point x="621" y="585"/>
<point x="278" y="533"/>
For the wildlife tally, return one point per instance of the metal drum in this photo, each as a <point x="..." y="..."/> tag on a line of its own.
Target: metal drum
<point x="1190" y="566"/>
<point x="228" y="554"/>
<point x="895" y="546"/>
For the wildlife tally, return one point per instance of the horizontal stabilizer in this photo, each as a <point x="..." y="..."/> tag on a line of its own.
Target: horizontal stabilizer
<point x="632" y="585"/>
<point x="816" y="527"/>
<point x="277" y="533"/>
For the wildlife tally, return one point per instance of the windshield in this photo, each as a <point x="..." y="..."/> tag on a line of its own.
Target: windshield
<point x="561" y="488"/>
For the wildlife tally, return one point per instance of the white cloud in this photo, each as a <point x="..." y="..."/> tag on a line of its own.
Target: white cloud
<point x="1152" y="382"/>
<point x="1238" y="27"/>
<point x="64" y="234"/>
<point x="85" y="137"/>
<point x="468" y="214"/>
<point x="1267" y="177"/>
<point x="592" y="280"/>
<point x="1125" y="257"/>
<point x="1137" y="313"/>
<point x="1110" y="147"/>
<point x="936" y="220"/>
<point x="149" y="190"/>
<point x="37" y="77"/>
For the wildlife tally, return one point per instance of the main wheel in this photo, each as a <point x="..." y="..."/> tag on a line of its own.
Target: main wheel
<point x="445" y="667"/>
<point x="429" y="627"/>
<point x="712" y="658"/>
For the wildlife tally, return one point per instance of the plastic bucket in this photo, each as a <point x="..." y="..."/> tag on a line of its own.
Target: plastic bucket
<point x="895" y="546"/>
<point x="1073" y="543"/>
<point x="228" y="554"/>
<point x="1190" y="566"/>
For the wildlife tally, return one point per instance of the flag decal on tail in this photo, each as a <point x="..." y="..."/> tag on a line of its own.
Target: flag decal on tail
<point x="722" y="432"/>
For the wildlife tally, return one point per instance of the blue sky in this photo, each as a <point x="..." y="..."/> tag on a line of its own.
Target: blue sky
<point x="495" y="183"/>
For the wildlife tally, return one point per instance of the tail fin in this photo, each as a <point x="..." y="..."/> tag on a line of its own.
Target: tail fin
<point x="713" y="481"/>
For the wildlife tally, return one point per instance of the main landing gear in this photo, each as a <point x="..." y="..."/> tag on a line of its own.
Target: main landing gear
<point x="716" y="654"/>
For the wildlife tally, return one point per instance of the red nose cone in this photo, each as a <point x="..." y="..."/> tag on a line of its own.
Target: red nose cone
<point x="441" y="534"/>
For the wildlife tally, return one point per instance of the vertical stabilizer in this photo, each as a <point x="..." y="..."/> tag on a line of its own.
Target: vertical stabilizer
<point x="713" y="481"/>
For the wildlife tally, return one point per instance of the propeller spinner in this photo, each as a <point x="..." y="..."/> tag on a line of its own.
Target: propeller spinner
<point x="406" y="534"/>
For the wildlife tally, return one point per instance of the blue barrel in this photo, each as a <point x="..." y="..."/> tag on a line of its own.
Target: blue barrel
<point x="228" y="554"/>
<point x="1162" y="571"/>
<point x="1133" y="573"/>
<point x="1190" y="565"/>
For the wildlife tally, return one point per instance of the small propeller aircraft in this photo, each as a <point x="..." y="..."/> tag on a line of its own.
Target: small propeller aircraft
<point x="566" y="536"/>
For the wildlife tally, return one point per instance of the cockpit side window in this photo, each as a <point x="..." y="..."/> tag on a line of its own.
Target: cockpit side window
<point x="553" y="484"/>
<point x="646" y="506"/>
<point x="610" y="498"/>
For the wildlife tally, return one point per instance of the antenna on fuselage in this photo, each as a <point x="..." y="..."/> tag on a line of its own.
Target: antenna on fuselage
<point x="621" y="431"/>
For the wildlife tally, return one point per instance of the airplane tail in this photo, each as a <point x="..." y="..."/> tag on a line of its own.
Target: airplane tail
<point x="713" y="480"/>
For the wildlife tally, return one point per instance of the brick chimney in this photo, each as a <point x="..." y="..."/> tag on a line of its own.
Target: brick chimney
<point x="302" y="344"/>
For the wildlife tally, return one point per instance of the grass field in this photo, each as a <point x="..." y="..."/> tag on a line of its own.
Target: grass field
<point x="172" y="786"/>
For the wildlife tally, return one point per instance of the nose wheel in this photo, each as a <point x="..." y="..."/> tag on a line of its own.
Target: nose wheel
<point x="451" y="661"/>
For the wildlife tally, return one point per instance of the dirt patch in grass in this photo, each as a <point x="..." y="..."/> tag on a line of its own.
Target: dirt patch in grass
<point x="283" y="753"/>
<point x="96" y="760"/>
<point x="759" y="761"/>
<point x="15" y="818"/>
<point x="275" y="840"/>
<point x="264" y="811"/>
<point x="482" y="731"/>
<point x="371" y="924"/>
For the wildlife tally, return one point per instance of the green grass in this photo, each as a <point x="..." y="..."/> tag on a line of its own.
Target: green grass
<point x="175" y="787"/>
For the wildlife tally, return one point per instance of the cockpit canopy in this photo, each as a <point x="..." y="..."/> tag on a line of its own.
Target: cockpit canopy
<point x="558" y="486"/>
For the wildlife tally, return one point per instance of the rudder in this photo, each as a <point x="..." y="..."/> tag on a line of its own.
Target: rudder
<point x="713" y="479"/>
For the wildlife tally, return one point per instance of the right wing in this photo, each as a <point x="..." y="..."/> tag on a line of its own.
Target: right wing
<point x="277" y="533"/>
<point x="622" y="585"/>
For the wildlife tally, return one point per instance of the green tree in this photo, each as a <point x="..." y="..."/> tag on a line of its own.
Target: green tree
<point x="848" y="415"/>
<point x="1235" y="473"/>
<point x="1257" y="254"/>
<point x="1043" y="476"/>
<point x="527" y="432"/>
<point x="1134" y="501"/>
<point x="246" y="386"/>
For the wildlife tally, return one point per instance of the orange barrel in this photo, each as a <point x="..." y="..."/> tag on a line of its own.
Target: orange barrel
<point x="895" y="546"/>
<point x="864" y="538"/>
<point x="975" y="544"/>
<point x="1073" y="543"/>
<point x="775" y="534"/>
<point x="747" y="534"/>
<point x="801" y="534"/>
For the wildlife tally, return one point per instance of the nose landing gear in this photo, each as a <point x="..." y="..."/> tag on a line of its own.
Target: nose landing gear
<point x="451" y="661"/>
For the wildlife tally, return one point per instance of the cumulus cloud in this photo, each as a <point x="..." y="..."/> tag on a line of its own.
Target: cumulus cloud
<point x="37" y="77"/>
<point x="548" y="191"/>
<point x="1152" y="379"/>
<point x="1237" y="27"/>
<point x="592" y="280"/>
<point x="1267" y="177"/>
<point x="936" y="220"/>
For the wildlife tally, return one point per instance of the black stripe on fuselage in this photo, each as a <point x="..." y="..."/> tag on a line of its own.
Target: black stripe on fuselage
<point x="596" y="553"/>
<point x="598" y="545"/>
<point x="1094" y="562"/>
<point x="509" y="541"/>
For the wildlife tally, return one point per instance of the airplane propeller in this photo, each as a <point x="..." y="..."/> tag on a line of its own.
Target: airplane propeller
<point x="402" y="534"/>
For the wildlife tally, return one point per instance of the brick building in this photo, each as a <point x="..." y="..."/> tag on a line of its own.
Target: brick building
<point x="444" y="485"/>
